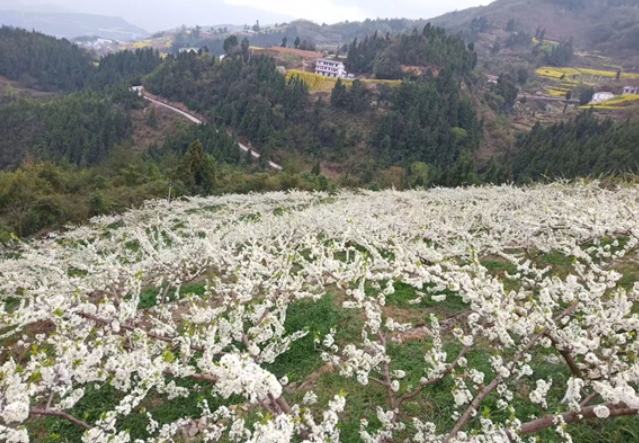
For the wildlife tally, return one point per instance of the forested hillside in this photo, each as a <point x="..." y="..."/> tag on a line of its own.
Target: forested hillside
<point x="49" y="64"/>
<point x="582" y="147"/>
<point x="80" y="128"/>
<point x="384" y="56"/>
<point x="429" y="121"/>
<point x="308" y="33"/>
<point x="71" y="155"/>
<point x="41" y="61"/>
<point x="609" y="27"/>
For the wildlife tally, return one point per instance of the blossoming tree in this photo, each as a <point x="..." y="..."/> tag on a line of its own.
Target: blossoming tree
<point x="72" y="314"/>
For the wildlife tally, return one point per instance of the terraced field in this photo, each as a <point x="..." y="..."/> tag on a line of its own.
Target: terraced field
<point x="575" y="76"/>
<point x="616" y="103"/>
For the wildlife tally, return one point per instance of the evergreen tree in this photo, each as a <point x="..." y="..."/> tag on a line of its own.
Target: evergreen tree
<point x="317" y="168"/>
<point x="581" y="147"/>
<point x="152" y="119"/>
<point x="244" y="48"/>
<point x="508" y="91"/>
<point x="231" y="45"/>
<point x="561" y="54"/>
<point x="196" y="171"/>
<point x="339" y="96"/>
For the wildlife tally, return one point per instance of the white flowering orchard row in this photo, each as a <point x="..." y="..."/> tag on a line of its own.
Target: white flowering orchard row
<point x="260" y="253"/>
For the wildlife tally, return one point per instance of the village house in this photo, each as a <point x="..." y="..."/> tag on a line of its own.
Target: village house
<point x="329" y="67"/>
<point x="195" y="50"/>
<point x="494" y="79"/>
<point x="602" y="97"/>
<point x="631" y="90"/>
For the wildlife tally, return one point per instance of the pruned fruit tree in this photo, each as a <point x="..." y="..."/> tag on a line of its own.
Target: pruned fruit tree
<point x="494" y="314"/>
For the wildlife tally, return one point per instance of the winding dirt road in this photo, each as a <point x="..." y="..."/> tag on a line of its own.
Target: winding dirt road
<point x="199" y="122"/>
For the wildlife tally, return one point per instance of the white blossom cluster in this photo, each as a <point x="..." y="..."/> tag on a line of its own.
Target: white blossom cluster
<point x="73" y="302"/>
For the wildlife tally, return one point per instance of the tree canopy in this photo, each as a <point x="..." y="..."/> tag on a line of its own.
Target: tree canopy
<point x="584" y="146"/>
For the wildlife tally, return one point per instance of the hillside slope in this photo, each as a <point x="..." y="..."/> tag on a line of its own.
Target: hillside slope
<point x="607" y="26"/>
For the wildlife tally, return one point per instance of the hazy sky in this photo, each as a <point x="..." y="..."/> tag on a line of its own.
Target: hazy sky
<point x="155" y="15"/>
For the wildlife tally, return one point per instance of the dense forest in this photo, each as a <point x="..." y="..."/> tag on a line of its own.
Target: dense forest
<point x="124" y="67"/>
<point x="585" y="146"/>
<point x="430" y="121"/>
<point x="42" y="62"/>
<point x="384" y="56"/>
<point x="49" y="64"/>
<point x="252" y="97"/>
<point x="80" y="128"/>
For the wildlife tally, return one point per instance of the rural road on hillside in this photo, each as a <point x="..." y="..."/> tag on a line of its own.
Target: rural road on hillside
<point x="199" y="122"/>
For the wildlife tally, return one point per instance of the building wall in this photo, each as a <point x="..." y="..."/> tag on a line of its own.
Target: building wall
<point x="602" y="97"/>
<point x="330" y="68"/>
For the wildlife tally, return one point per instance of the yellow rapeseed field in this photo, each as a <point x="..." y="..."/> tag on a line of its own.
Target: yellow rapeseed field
<point x="557" y="92"/>
<point x="551" y="72"/>
<point x="142" y="44"/>
<point x="315" y="82"/>
<point x="546" y="42"/>
<point x="615" y="103"/>
<point x="557" y="73"/>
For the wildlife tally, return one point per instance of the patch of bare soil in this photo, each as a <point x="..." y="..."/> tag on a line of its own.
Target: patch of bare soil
<point x="415" y="334"/>
<point x="311" y="380"/>
<point x="144" y="135"/>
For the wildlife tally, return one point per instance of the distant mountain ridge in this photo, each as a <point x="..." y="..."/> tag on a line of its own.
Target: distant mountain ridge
<point x="608" y="26"/>
<point x="20" y="5"/>
<point x="54" y="21"/>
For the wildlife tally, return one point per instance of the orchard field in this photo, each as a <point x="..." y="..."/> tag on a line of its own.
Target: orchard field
<point x="492" y="314"/>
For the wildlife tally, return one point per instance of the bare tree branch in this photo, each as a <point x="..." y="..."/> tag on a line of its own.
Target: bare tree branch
<point x="422" y="385"/>
<point x="130" y="328"/>
<point x="588" y="413"/>
<point x="474" y="406"/>
<point x="589" y="399"/>
<point x="567" y="355"/>
<point x="64" y="415"/>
